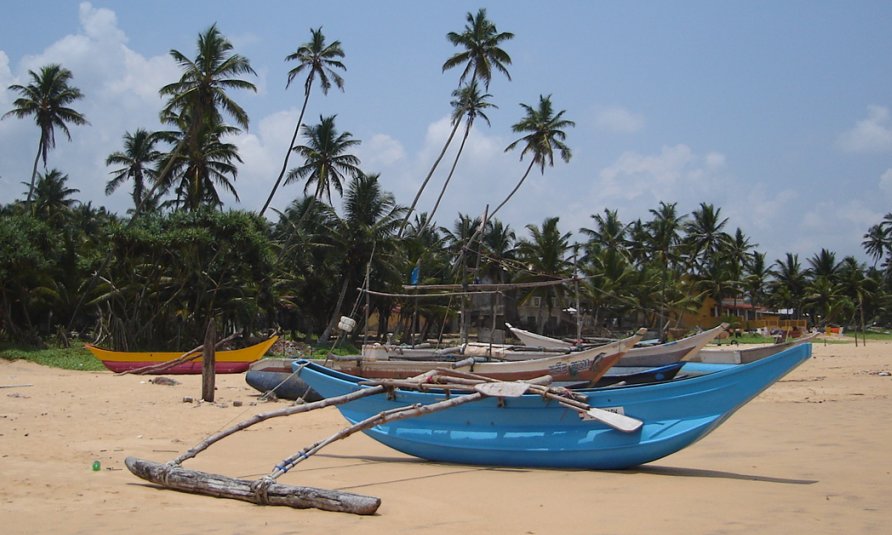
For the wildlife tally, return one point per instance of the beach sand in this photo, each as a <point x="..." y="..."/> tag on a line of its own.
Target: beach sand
<point x="813" y="454"/>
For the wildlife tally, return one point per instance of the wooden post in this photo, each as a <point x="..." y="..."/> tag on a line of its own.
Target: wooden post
<point x="208" y="375"/>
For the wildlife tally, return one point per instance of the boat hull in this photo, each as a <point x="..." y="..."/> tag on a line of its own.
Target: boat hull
<point x="533" y="432"/>
<point x="274" y="374"/>
<point x="229" y="361"/>
<point x="588" y="365"/>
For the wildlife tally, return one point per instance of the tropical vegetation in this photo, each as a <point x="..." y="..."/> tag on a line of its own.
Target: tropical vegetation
<point x="156" y="276"/>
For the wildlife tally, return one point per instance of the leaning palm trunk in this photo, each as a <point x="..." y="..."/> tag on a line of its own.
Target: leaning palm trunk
<point x="337" y="312"/>
<point x="427" y="178"/>
<point x="517" y="187"/>
<point x="34" y="170"/>
<point x="300" y="120"/>
<point x="451" y="171"/>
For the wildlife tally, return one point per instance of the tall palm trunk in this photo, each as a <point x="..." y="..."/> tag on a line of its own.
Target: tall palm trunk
<point x="300" y="120"/>
<point x="451" y="171"/>
<point x="34" y="170"/>
<point x="427" y="179"/>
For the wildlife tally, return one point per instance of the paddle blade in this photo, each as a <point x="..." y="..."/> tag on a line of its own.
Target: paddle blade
<point x="502" y="390"/>
<point x="620" y="422"/>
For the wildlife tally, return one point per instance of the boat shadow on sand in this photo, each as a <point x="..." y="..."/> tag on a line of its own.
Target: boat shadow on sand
<point x="679" y="471"/>
<point x="670" y="471"/>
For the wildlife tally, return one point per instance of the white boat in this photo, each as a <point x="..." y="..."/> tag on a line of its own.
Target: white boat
<point x="745" y="355"/>
<point x="537" y="340"/>
<point x="657" y="355"/>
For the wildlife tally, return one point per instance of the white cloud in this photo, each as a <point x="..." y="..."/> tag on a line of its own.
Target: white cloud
<point x="381" y="150"/>
<point x="675" y="171"/>
<point x="5" y="81"/>
<point x="619" y="119"/>
<point x="872" y="134"/>
<point x="886" y="182"/>
<point x="100" y="24"/>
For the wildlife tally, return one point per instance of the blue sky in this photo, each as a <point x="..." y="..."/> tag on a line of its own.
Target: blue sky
<point x="777" y="112"/>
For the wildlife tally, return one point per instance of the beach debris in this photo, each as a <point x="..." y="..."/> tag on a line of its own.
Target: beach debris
<point x="262" y="491"/>
<point x="14" y="386"/>
<point x="188" y="399"/>
<point x="166" y="381"/>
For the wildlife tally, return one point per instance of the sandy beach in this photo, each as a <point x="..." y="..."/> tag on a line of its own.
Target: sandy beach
<point x="809" y="455"/>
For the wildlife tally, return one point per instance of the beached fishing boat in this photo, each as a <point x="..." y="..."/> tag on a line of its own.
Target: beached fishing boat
<point x="745" y="355"/>
<point x="587" y="365"/>
<point x="675" y="351"/>
<point x="531" y="430"/>
<point x="650" y="356"/>
<point x="274" y="375"/>
<point x="532" y="339"/>
<point x="638" y="375"/>
<point x="227" y="361"/>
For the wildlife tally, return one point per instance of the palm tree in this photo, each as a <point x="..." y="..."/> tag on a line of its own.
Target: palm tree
<point x="705" y="237"/>
<point x="196" y="171"/>
<point x="610" y="285"/>
<point x="789" y="281"/>
<point x="326" y="161"/>
<point x="756" y="278"/>
<point x="47" y="98"/>
<point x="609" y="232"/>
<point x="544" y="135"/>
<point x="200" y="95"/>
<point x="664" y="232"/>
<point x="545" y="256"/>
<point x="52" y="195"/>
<point x="482" y="53"/>
<point x="365" y="236"/>
<point x="662" y="239"/>
<point x="824" y="264"/>
<point x="319" y="60"/>
<point x="500" y="248"/>
<point x="137" y="160"/>
<point x="736" y="256"/>
<point x="458" y="238"/>
<point x="468" y="103"/>
<point x="876" y="242"/>
<point x="855" y="285"/>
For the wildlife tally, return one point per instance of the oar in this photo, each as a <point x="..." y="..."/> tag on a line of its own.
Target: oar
<point x="620" y="422"/>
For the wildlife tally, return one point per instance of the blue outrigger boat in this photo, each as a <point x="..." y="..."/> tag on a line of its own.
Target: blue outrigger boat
<point x="532" y="431"/>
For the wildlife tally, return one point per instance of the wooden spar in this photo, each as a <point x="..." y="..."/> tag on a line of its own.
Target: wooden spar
<point x="422" y="296"/>
<point x="488" y="286"/>
<point x="261" y="492"/>
<point x="185" y="357"/>
<point x="412" y="411"/>
<point x="287" y="411"/>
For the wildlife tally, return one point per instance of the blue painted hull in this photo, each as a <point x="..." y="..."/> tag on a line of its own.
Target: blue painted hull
<point x="534" y="432"/>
